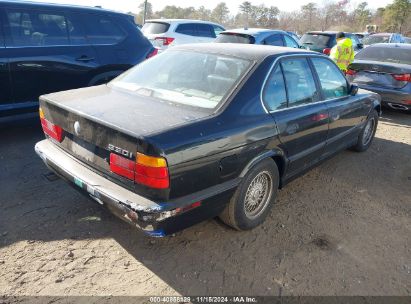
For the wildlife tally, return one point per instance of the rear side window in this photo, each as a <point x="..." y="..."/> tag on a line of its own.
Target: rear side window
<point x="102" y="30"/>
<point x="290" y="42"/>
<point x="36" y="28"/>
<point x="218" y="30"/>
<point x="276" y="40"/>
<point x="301" y="88"/>
<point x="333" y="83"/>
<point x="205" y="30"/>
<point x="274" y="95"/>
<point x="155" y="27"/>
<point x="187" y="29"/>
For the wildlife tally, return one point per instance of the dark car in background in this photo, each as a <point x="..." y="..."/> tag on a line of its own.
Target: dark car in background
<point x="48" y="48"/>
<point x="258" y="36"/>
<point x="204" y="130"/>
<point x="385" y="68"/>
<point x="383" y="38"/>
<point x="323" y="42"/>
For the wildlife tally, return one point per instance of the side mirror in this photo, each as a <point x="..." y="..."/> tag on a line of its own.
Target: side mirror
<point x="302" y="47"/>
<point x="353" y="89"/>
<point x="360" y="45"/>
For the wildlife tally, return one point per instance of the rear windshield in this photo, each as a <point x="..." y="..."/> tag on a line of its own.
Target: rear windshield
<point x="376" y="39"/>
<point x="386" y="54"/>
<point x="185" y="77"/>
<point x="320" y="40"/>
<point x="155" y="27"/>
<point x="235" y="38"/>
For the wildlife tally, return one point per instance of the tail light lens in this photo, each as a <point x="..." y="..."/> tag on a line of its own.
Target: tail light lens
<point x="402" y="77"/>
<point x="152" y="53"/>
<point x="327" y="51"/>
<point x="166" y="40"/>
<point x="351" y="72"/>
<point x="147" y="170"/>
<point x="52" y="130"/>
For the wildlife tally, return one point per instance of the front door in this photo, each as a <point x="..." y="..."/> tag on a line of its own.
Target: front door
<point x="293" y="99"/>
<point x="346" y="111"/>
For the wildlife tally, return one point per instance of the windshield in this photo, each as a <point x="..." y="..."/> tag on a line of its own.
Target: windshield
<point x="235" y="38"/>
<point x="184" y="77"/>
<point x="155" y="27"/>
<point x="376" y="39"/>
<point x="320" y="40"/>
<point x="386" y="54"/>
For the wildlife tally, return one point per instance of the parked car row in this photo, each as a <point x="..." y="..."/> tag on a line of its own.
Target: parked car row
<point x="199" y="130"/>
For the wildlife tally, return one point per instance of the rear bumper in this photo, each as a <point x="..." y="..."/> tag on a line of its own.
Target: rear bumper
<point x="154" y="218"/>
<point x="393" y="98"/>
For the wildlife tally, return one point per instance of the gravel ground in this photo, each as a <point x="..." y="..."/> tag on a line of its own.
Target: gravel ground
<point x="344" y="228"/>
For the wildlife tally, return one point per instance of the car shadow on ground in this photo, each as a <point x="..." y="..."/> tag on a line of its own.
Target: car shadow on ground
<point x="396" y="117"/>
<point x="338" y="215"/>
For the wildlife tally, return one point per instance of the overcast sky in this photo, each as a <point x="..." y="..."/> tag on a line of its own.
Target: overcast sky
<point x="132" y="5"/>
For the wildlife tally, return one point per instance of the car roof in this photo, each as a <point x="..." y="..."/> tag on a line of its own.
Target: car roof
<point x="46" y="5"/>
<point x="253" y="31"/>
<point x="181" y="21"/>
<point x="392" y="45"/>
<point x="245" y="51"/>
<point x="328" y="32"/>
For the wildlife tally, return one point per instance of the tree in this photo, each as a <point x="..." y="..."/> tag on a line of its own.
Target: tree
<point x="149" y="12"/>
<point x="309" y="10"/>
<point x="362" y="15"/>
<point x="396" y="15"/>
<point x="220" y="13"/>
<point x="245" y="8"/>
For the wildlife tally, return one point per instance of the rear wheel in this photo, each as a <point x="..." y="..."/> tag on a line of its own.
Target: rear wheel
<point x="254" y="197"/>
<point x="367" y="133"/>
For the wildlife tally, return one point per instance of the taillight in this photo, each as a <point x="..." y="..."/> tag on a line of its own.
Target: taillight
<point x="50" y="129"/>
<point x="351" y="72"/>
<point x="407" y="102"/>
<point x="152" y="171"/>
<point x="327" y="51"/>
<point x="122" y="166"/>
<point x="146" y="170"/>
<point x="166" y="40"/>
<point x="152" y="53"/>
<point x="402" y="77"/>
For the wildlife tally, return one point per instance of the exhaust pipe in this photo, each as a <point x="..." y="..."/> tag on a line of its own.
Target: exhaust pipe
<point x="397" y="106"/>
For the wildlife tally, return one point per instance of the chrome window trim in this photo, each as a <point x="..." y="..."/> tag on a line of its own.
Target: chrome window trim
<point x="304" y="55"/>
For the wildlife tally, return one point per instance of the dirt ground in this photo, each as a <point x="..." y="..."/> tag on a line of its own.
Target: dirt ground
<point x="344" y="228"/>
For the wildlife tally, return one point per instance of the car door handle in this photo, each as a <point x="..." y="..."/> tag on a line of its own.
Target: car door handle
<point x="85" y="58"/>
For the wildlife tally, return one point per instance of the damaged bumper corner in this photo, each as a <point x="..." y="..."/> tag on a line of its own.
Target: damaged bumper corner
<point x="145" y="214"/>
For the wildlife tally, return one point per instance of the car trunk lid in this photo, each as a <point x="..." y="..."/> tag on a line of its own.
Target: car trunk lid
<point x="376" y="73"/>
<point x="100" y="121"/>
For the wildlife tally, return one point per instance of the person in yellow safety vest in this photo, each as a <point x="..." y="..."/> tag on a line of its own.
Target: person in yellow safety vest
<point x="343" y="52"/>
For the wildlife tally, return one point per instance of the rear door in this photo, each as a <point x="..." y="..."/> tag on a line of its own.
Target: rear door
<point x="293" y="99"/>
<point x="116" y="41"/>
<point x="47" y="52"/>
<point x="346" y="112"/>
<point x="5" y="87"/>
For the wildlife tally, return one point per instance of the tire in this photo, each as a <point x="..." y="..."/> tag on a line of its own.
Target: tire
<point x="243" y="211"/>
<point x="367" y="135"/>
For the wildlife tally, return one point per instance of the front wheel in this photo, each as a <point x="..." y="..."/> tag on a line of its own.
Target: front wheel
<point x="367" y="133"/>
<point x="254" y="197"/>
